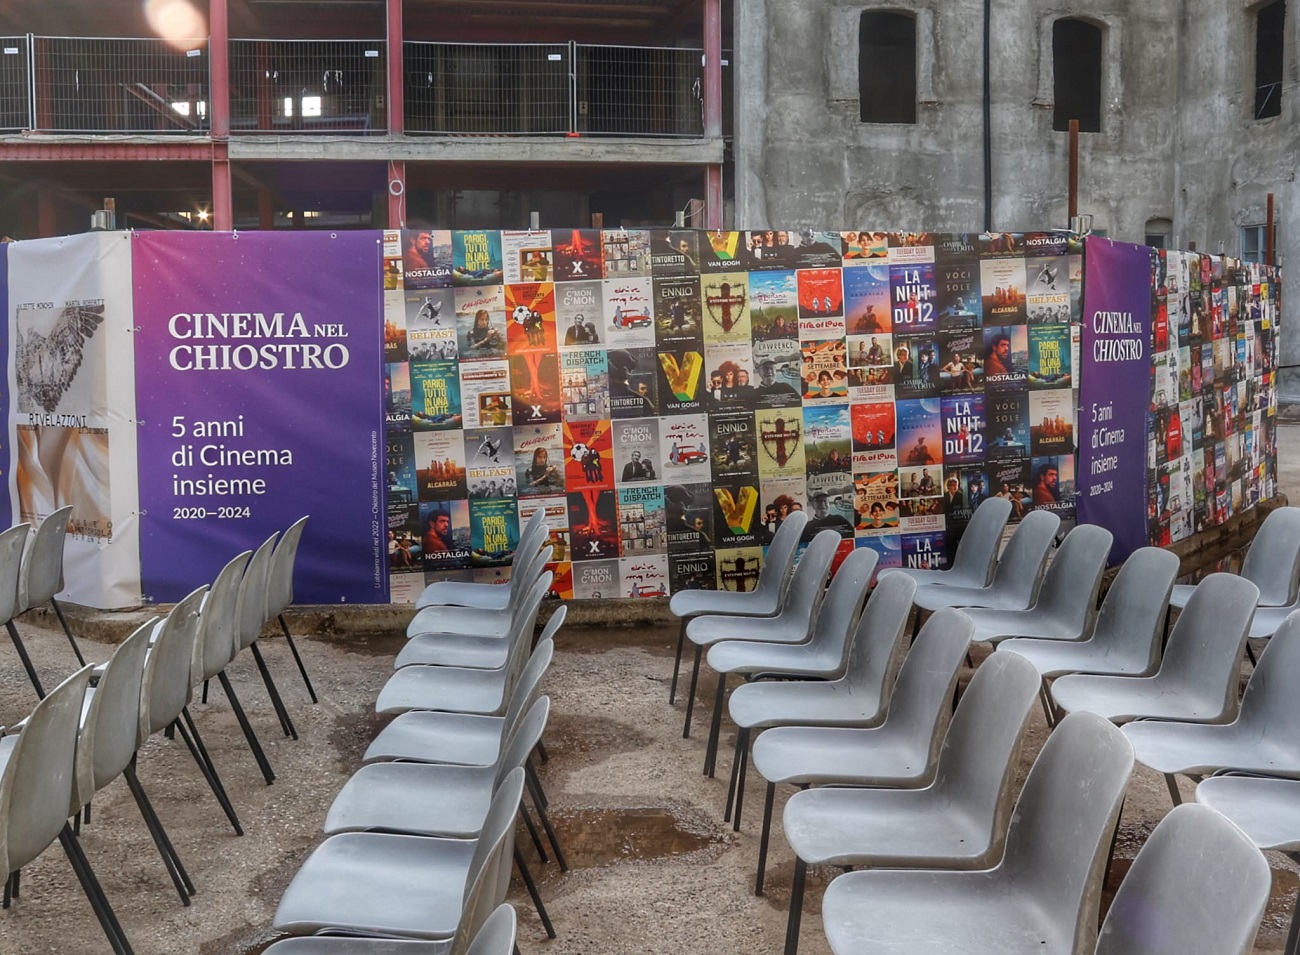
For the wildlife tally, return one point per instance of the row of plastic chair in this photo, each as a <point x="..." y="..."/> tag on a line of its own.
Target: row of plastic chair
<point x="419" y="841"/>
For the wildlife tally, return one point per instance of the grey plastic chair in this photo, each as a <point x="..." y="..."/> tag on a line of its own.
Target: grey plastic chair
<point x="496" y="937"/>
<point x="1198" y="884"/>
<point x="279" y="591"/>
<point x="459" y="689"/>
<point x="369" y="883"/>
<point x="1066" y="608"/>
<point x="957" y="822"/>
<point x="901" y="752"/>
<point x="977" y="551"/>
<point x="764" y="600"/>
<point x="472" y="650"/>
<point x="250" y="611"/>
<point x="1040" y="899"/>
<point x="1272" y="564"/>
<point x="859" y="698"/>
<point x="12" y="542"/>
<point x="42" y="571"/>
<point x="1126" y="638"/>
<point x="1268" y="812"/>
<point x="1197" y="680"/>
<point x="455" y="593"/>
<point x="1016" y="578"/>
<point x="485" y="623"/>
<point x="792" y="624"/>
<point x="37" y="781"/>
<point x="109" y="738"/>
<point x="1264" y="738"/>
<point x="465" y="739"/>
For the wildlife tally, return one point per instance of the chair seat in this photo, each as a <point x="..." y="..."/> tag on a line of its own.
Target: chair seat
<point x="415" y="798"/>
<point x="454" y="650"/>
<point x="1267" y="620"/>
<point x="955" y="577"/>
<point x="935" y="597"/>
<point x="815" y="756"/>
<point x="453" y="689"/>
<point x="957" y="913"/>
<point x="800" y="659"/>
<point x="1266" y="810"/>
<point x="1200" y="749"/>
<point x="706" y="631"/>
<point x="884" y="828"/>
<point x="1121" y="699"/>
<point x="761" y="705"/>
<point x="343" y="945"/>
<point x="458" y="738"/>
<point x="378" y="883"/>
<point x="466" y="620"/>
<point x="992" y="626"/>
<point x="1053" y="657"/>
<point x="460" y="593"/>
<point x="693" y="603"/>
<point x="1181" y="593"/>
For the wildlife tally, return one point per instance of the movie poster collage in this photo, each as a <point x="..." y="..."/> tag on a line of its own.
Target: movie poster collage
<point x="1212" y="443"/>
<point x="669" y="396"/>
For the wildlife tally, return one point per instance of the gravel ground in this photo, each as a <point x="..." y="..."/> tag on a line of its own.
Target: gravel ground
<point x="653" y="865"/>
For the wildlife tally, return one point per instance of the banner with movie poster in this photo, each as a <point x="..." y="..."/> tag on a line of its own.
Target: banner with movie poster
<point x="670" y="396"/>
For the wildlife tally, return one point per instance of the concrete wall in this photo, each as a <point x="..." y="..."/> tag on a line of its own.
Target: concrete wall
<point x="1178" y="137"/>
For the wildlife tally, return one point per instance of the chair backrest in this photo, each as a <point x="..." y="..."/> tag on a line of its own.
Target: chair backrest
<point x="842" y="605"/>
<point x="166" y="685"/>
<point x="525" y="689"/>
<point x="12" y="542"/>
<point x="1073" y="578"/>
<point x="279" y="580"/>
<point x="250" y="609"/>
<point x="977" y="762"/>
<point x="1273" y="562"/>
<point x="1205" y="647"/>
<point x="110" y="725"/>
<point x="876" y="647"/>
<point x="36" y="785"/>
<point x="1063" y="822"/>
<point x="1198" y="884"/>
<point x="774" y="575"/>
<point x="1020" y="570"/>
<point x="977" y="551"/>
<point x="808" y="582"/>
<point x="497" y="936"/>
<point x="521" y="630"/>
<point x="522" y="738"/>
<point x="534" y="532"/>
<point x="1269" y="700"/>
<point x="218" y="638"/>
<point x="524" y="574"/>
<point x="484" y="887"/>
<point x="1135" y="607"/>
<point x="921" y="704"/>
<point x="42" y="574"/>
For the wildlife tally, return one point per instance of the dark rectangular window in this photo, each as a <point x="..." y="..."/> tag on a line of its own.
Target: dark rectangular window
<point x="1076" y="75"/>
<point x="887" y="67"/>
<point x="1269" y="23"/>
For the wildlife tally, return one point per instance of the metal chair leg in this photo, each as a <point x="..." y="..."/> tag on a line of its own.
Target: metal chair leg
<point x="58" y="612"/>
<point x="94" y="893"/>
<point x="677" y="663"/>
<point x="26" y="660"/>
<point x="762" y="843"/>
<point x="690" y="695"/>
<point x="253" y="743"/>
<point x="742" y="748"/>
<point x="200" y="754"/>
<point x="533" y="833"/>
<point x="531" y="886"/>
<point x="715" y="727"/>
<point x="540" y="805"/>
<point x="293" y="648"/>
<point x="731" y="785"/>
<point x="1171" y="782"/>
<point x="286" y="724"/>
<point x="180" y="878"/>
<point x="796" y="907"/>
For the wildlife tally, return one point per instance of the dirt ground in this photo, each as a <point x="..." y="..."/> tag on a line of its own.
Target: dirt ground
<point x="653" y="865"/>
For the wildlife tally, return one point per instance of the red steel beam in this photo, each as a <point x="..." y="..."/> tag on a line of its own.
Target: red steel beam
<point x="712" y="68"/>
<point x="396" y="87"/>
<point x="34" y="149"/>
<point x="223" y="209"/>
<point x="219" y="68"/>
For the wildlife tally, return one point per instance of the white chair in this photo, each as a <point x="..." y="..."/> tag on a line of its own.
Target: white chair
<point x="456" y="593"/>
<point x="1040" y="899"/>
<point x="250" y="610"/>
<point x="977" y="551"/>
<point x="486" y="623"/>
<point x="957" y="822"/>
<point x="279" y="591"/>
<point x="468" y="649"/>
<point x="12" y="542"/>
<point x="1272" y="563"/>
<point x="42" y="571"/>
<point x="496" y="937"/>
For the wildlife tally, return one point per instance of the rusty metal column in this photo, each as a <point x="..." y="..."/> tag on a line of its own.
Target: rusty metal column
<point x="396" y="180"/>
<point x="713" y="109"/>
<point x="223" y="214"/>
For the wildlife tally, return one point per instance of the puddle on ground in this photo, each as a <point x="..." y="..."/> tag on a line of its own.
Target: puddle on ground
<point x="598" y="837"/>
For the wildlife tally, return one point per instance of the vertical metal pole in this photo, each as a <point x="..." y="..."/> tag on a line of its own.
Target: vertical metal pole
<point x="713" y="203"/>
<point x="713" y="212"/>
<point x="31" y="81"/>
<point x="1268" y="233"/>
<point x="1074" y="169"/>
<point x="573" y="87"/>
<point x="223" y="215"/>
<point x="988" y="117"/>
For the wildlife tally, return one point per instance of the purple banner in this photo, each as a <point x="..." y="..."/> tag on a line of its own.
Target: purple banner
<point x="1115" y="391"/>
<point x="257" y="359"/>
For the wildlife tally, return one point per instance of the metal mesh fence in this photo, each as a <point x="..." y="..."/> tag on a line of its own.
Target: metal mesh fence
<point x="482" y="88"/>
<point x="639" y="91"/>
<point x="118" y="85"/>
<point x="305" y="86"/>
<point x="15" y="99"/>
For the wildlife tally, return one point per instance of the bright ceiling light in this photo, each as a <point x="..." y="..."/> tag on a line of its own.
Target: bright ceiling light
<point x="176" y="21"/>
